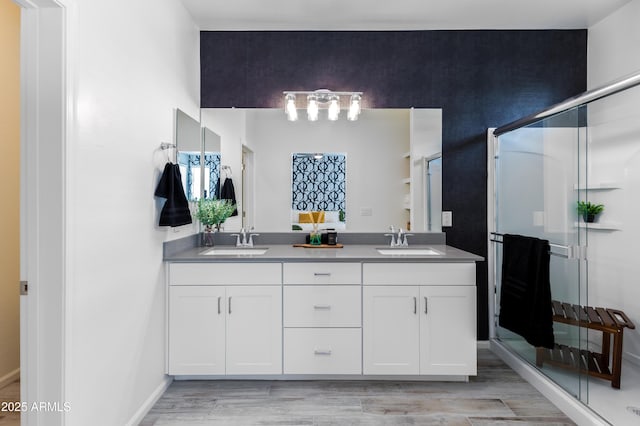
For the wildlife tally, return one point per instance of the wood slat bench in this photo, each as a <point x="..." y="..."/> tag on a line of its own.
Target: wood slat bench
<point x="606" y="365"/>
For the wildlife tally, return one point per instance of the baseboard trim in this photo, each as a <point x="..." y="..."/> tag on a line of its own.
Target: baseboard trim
<point x="150" y="402"/>
<point x="9" y="378"/>
<point x="484" y="344"/>
<point x="567" y="403"/>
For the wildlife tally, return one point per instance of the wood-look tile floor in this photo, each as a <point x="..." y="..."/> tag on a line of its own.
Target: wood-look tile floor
<point x="9" y="393"/>
<point x="496" y="396"/>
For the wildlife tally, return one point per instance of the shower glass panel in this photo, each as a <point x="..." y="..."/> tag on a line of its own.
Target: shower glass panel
<point x="540" y="177"/>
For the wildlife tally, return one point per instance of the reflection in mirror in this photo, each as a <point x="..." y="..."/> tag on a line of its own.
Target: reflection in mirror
<point x="188" y="154"/>
<point x="433" y="178"/>
<point x="318" y="190"/>
<point x="211" y="149"/>
<point x="385" y="178"/>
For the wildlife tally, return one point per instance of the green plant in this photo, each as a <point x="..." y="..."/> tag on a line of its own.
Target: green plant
<point x="214" y="212"/>
<point x="588" y="208"/>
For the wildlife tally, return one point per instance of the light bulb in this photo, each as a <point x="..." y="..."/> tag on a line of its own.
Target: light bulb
<point x="334" y="108"/>
<point x="290" y="108"/>
<point x="354" y="108"/>
<point x="312" y="108"/>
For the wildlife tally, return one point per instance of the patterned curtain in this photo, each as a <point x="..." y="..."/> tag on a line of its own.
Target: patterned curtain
<point x="318" y="184"/>
<point x="212" y="161"/>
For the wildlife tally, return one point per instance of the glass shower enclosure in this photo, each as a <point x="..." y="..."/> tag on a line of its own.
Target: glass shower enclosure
<point x="584" y="150"/>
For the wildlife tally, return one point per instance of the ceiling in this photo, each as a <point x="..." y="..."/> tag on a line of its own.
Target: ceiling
<point x="398" y="14"/>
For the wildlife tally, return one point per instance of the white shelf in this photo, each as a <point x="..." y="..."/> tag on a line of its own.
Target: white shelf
<point x="599" y="225"/>
<point x="598" y="186"/>
<point x="406" y="180"/>
<point x="406" y="154"/>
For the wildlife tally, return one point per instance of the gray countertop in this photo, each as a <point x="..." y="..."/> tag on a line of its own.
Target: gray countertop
<point x="349" y="253"/>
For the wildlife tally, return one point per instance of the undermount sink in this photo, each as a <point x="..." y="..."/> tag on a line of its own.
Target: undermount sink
<point x="234" y="251"/>
<point x="409" y="252"/>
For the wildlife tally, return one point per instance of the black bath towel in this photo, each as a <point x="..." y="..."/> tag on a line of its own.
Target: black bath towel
<point x="175" y="211"/>
<point x="229" y="193"/>
<point x="525" y="295"/>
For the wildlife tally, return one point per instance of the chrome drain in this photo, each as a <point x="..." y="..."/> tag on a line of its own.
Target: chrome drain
<point x="634" y="410"/>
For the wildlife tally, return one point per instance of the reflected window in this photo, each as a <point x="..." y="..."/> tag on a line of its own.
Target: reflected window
<point x="192" y="182"/>
<point x="318" y="185"/>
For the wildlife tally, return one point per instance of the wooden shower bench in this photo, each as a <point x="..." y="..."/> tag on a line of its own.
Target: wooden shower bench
<point x="611" y="322"/>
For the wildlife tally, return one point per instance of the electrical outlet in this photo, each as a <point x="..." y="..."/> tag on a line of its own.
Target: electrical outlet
<point x="447" y="218"/>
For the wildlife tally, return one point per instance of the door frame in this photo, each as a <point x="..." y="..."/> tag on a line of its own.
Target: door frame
<point x="43" y="233"/>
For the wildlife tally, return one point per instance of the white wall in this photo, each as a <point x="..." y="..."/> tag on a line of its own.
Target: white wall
<point x="131" y="65"/>
<point x="614" y="155"/>
<point x="374" y="145"/>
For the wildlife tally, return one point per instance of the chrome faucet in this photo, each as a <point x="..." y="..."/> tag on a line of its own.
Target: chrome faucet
<point x="400" y="240"/>
<point x="241" y="238"/>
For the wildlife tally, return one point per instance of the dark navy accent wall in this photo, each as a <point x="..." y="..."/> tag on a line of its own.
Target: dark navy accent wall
<point x="480" y="79"/>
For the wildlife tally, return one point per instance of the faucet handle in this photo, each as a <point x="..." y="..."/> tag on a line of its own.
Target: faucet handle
<point x="250" y="243"/>
<point x="405" y="242"/>
<point x="393" y="239"/>
<point x="237" y="239"/>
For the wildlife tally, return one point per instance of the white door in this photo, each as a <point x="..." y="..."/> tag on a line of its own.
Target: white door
<point x="254" y="330"/>
<point x="196" y="330"/>
<point x="390" y="329"/>
<point x="448" y="330"/>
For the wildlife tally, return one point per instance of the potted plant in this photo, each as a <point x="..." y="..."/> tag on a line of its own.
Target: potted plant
<point x="589" y="211"/>
<point x="213" y="213"/>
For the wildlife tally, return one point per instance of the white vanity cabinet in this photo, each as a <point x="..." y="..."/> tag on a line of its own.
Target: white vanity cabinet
<point x="225" y="318"/>
<point x="419" y="318"/>
<point x="322" y="318"/>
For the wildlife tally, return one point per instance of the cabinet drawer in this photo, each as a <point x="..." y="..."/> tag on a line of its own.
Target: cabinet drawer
<point x="322" y="351"/>
<point x="419" y="274"/>
<point x="321" y="273"/>
<point x="225" y="273"/>
<point x="322" y="306"/>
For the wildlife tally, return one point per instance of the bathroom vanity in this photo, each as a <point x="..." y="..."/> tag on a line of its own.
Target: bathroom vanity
<point x="300" y="313"/>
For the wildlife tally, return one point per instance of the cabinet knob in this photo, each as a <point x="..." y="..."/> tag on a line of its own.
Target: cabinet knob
<point x="415" y="305"/>
<point x="229" y="304"/>
<point x="322" y="274"/>
<point x="425" y="305"/>
<point x="219" y="312"/>
<point x="322" y="351"/>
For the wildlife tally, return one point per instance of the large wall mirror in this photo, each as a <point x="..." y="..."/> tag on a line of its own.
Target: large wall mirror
<point x="198" y="155"/>
<point x="386" y="155"/>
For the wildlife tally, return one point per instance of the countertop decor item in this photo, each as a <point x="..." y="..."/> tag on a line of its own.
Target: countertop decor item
<point x="589" y="210"/>
<point x="213" y="213"/>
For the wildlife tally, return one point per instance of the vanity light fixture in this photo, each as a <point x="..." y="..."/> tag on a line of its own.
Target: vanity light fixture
<point x="323" y="99"/>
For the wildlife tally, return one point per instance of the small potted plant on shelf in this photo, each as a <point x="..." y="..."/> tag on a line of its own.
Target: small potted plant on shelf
<point x="589" y="211"/>
<point x="213" y="213"/>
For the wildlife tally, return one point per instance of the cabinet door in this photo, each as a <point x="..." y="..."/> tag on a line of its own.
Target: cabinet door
<point x="448" y="330"/>
<point x="390" y="329"/>
<point x="196" y="330"/>
<point x="254" y="330"/>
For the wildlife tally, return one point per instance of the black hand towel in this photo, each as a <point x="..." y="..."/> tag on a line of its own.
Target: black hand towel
<point x="525" y="295"/>
<point x="175" y="211"/>
<point x="229" y="193"/>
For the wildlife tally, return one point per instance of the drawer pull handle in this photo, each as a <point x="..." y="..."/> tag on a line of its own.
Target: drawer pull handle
<point x="322" y="351"/>
<point x="229" y="304"/>
<point x="219" y="297"/>
<point x="415" y="305"/>
<point x="322" y="274"/>
<point x="323" y="307"/>
<point x="425" y="305"/>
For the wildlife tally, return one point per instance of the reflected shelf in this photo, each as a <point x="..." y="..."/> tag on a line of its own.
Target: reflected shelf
<point x="604" y="226"/>
<point x="598" y="186"/>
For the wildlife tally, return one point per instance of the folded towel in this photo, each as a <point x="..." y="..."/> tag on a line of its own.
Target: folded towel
<point x="175" y="211"/>
<point x="525" y="294"/>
